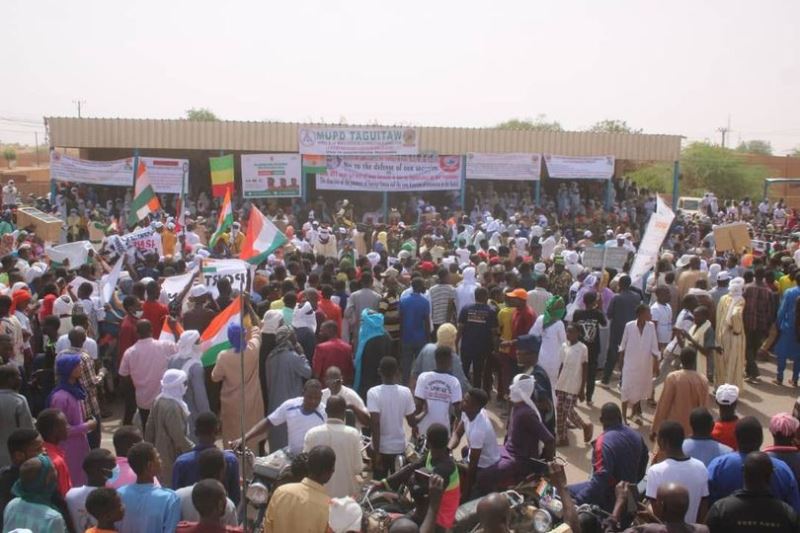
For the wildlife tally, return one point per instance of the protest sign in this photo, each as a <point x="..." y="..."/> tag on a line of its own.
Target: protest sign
<point x="235" y="270"/>
<point x="167" y="175"/>
<point x="174" y="285"/>
<point x="346" y="140"/>
<point x="109" y="281"/>
<point x="143" y="240"/>
<point x="574" y="167"/>
<point x="598" y="257"/>
<point x="78" y="281"/>
<point x="654" y="235"/>
<point x="513" y="166"/>
<point x="118" y="173"/>
<point x="391" y="173"/>
<point x="271" y="176"/>
<point x="732" y="237"/>
<point x="76" y="253"/>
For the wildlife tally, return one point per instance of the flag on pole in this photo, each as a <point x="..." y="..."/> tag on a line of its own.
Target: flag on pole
<point x="225" y="220"/>
<point x="145" y="200"/>
<point x="221" y="175"/>
<point x="169" y="334"/>
<point x="261" y="239"/>
<point x="216" y="334"/>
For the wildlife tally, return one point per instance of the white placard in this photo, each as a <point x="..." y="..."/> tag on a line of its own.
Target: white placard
<point x="233" y="269"/>
<point x="654" y="235"/>
<point x="271" y="176"/>
<point x="513" y="166"/>
<point x="598" y="256"/>
<point x="348" y="140"/>
<point x="117" y="173"/>
<point x="174" y="285"/>
<point x="391" y="173"/>
<point x="166" y="174"/>
<point x="580" y="168"/>
<point x="143" y="240"/>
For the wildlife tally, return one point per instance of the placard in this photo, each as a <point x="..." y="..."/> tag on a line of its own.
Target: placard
<point x="391" y="173"/>
<point x="732" y="237"/>
<point x="118" y="173"/>
<point x="346" y="140"/>
<point x="235" y="270"/>
<point x="174" y="285"/>
<point x="271" y="176"/>
<point x="578" y="167"/>
<point x="167" y="175"/>
<point x="143" y="240"/>
<point x="615" y="257"/>
<point x="654" y="235"/>
<point x="512" y="167"/>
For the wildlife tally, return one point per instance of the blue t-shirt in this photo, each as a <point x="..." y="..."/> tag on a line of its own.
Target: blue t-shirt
<point x="415" y="312"/>
<point x="726" y="473"/>
<point x="149" y="509"/>
<point x="704" y="450"/>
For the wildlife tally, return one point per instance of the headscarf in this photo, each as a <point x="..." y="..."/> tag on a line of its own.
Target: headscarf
<point x="271" y="322"/>
<point x="371" y="327"/>
<point x="783" y="425"/>
<point x="446" y="336"/>
<point x="736" y="291"/>
<point x="19" y="299"/>
<point x="521" y="390"/>
<point x="284" y="341"/>
<point x="41" y="490"/>
<point x="47" y="306"/>
<point x="235" y="336"/>
<point x="305" y="317"/>
<point x="383" y="239"/>
<point x="554" y="310"/>
<point x="713" y="271"/>
<point x="65" y="364"/>
<point x="173" y="387"/>
<point x="189" y="349"/>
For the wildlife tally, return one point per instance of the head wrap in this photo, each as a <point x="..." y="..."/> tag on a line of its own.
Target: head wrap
<point x="736" y="291"/>
<point x="344" y="515"/>
<point x="187" y="345"/>
<point x="284" y="341"/>
<point x="371" y="327"/>
<point x="41" y="489"/>
<point x="305" y="317"/>
<point x="65" y="364"/>
<point x="173" y="387"/>
<point x="713" y="271"/>
<point x="446" y="335"/>
<point x="521" y="390"/>
<point x="554" y="310"/>
<point x="272" y="321"/>
<point x="469" y="276"/>
<point x="20" y="299"/>
<point x="783" y="425"/>
<point x="235" y="336"/>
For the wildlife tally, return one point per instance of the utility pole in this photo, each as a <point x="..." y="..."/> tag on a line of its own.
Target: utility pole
<point x="36" y="141"/>
<point x="78" y="103"/>
<point x="725" y="130"/>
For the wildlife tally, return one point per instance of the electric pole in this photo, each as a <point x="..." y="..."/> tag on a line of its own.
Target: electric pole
<point x="725" y="130"/>
<point x="78" y="103"/>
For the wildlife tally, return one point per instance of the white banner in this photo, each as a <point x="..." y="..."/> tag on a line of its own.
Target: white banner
<point x="143" y="240"/>
<point x="166" y="174"/>
<point x="109" y="281"/>
<point x="654" y="236"/>
<point x="233" y="269"/>
<point x="513" y="166"/>
<point x="580" y="168"/>
<point x="174" y="285"/>
<point x="271" y="176"/>
<point x="118" y="173"/>
<point x="347" y="140"/>
<point x="75" y="252"/>
<point x="598" y="257"/>
<point x="392" y="173"/>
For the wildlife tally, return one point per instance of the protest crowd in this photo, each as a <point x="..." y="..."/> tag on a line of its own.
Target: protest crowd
<point x="221" y="324"/>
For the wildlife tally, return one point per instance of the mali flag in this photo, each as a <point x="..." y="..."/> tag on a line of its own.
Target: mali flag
<point x="221" y="175"/>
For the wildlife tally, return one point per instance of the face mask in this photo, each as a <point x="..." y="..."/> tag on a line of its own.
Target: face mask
<point x="138" y="314"/>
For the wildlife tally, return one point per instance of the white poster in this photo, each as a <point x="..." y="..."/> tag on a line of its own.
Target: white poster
<point x="76" y="253"/>
<point x="391" y="173"/>
<point x="77" y="281"/>
<point x="118" y="173"/>
<point x="167" y="175"/>
<point x="174" y="285"/>
<point x="234" y="269"/>
<point x="271" y="176"/>
<point x="512" y="166"/>
<point x="143" y="240"/>
<point x="580" y="168"/>
<point x="348" y="140"/>
<point x="654" y="235"/>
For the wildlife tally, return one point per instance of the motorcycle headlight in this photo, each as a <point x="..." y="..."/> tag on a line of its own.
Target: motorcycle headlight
<point x="542" y="521"/>
<point x="257" y="493"/>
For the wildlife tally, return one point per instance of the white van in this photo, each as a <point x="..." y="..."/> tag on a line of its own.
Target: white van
<point x="689" y="204"/>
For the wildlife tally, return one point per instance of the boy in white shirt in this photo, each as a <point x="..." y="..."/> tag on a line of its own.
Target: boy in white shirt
<point x="571" y="383"/>
<point x="436" y="391"/>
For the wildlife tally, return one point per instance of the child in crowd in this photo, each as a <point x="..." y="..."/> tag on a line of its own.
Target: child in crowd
<point x="570" y="386"/>
<point x="105" y="506"/>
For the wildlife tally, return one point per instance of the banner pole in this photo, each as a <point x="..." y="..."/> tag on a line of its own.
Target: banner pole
<point x="463" y="184"/>
<point x="242" y="402"/>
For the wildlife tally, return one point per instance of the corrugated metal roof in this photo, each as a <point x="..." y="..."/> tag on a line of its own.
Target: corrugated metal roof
<point x="68" y="132"/>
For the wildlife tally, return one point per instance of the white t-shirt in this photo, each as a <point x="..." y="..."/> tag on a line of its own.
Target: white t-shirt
<point x="297" y="422"/>
<point x="189" y="511"/>
<point x="350" y="397"/>
<point x="89" y="346"/>
<point x="662" y="316"/>
<point x="393" y="403"/>
<point x="481" y="436"/>
<point x="691" y="473"/>
<point x="572" y="358"/>
<point x="439" y="390"/>
<point x="76" y="503"/>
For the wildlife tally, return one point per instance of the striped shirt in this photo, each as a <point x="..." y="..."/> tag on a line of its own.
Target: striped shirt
<point x="441" y="297"/>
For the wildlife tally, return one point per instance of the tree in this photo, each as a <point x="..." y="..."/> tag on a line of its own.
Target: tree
<point x="612" y="126"/>
<point x="201" y="114"/>
<point x="9" y="154"/>
<point x="706" y="167"/>
<point x="795" y="152"/>
<point x="656" y="177"/>
<point x="756" y="146"/>
<point x="540" y="123"/>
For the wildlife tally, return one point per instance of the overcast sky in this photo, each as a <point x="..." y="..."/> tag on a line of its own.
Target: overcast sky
<point x="678" y="67"/>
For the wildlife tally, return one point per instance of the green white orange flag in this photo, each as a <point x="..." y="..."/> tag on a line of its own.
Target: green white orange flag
<point x="261" y="239"/>
<point x="169" y="334"/>
<point x="225" y="220"/>
<point x="145" y="200"/>
<point x="216" y="334"/>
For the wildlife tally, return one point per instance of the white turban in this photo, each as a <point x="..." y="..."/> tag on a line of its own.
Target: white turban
<point x="344" y="515"/>
<point x="521" y="390"/>
<point x="540" y="268"/>
<point x="173" y="387"/>
<point x="373" y="257"/>
<point x="272" y="321"/>
<point x="305" y="317"/>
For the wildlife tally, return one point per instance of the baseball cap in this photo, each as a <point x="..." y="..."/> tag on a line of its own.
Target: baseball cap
<point x="727" y="394"/>
<point x="522" y="294"/>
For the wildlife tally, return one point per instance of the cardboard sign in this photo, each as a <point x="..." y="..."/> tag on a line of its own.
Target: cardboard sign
<point x="732" y="237"/>
<point x="614" y="257"/>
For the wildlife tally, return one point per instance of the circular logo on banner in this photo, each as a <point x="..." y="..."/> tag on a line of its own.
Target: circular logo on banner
<point x="306" y="138"/>
<point x="449" y="163"/>
<point x="409" y="137"/>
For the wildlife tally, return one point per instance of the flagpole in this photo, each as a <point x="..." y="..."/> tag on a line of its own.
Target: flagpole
<point x="241" y="406"/>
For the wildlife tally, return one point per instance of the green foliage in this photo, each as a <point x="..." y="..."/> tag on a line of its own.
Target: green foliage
<point x="706" y="167"/>
<point x="656" y="177"/>
<point x="756" y="146"/>
<point x="795" y="152"/>
<point x="613" y="126"/>
<point x="540" y="123"/>
<point x="201" y="114"/>
<point x="9" y="154"/>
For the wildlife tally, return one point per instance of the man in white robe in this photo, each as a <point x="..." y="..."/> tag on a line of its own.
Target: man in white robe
<point x="638" y="348"/>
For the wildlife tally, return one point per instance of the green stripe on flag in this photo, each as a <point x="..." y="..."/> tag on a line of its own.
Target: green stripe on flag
<point x="210" y="356"/>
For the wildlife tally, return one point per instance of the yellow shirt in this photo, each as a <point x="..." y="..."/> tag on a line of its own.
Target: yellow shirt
<point x="299" y="508"/>
<point x="168" y="242"/>
<point x="784" y="283"/>
<point x="505" y="321"/>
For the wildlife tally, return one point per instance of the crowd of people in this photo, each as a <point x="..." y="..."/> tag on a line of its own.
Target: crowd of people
<point x="481" y="331"/>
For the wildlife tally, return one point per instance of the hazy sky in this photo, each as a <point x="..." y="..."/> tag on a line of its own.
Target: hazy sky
<point x="678" y="67"/>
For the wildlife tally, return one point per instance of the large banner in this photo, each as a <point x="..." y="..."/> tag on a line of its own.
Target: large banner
<point x="174" y="285"/>
<point x="578" y="168"/>
<point x="118" y="173"/>
<point x="398" y="173"/>
<point x="167" y="175"/>
<point x="235" y="270"/>
<point x="346" y="140"/>
<point x="513" y="166"/>
<point x="271" y="176"/>
<point x="654" y="236"/>
<point x="143" y="240"/>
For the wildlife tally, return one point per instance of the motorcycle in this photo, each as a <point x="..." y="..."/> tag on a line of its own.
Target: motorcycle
<point x="265" y="473"/>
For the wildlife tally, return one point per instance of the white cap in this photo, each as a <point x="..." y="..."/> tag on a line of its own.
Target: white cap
<point x="587" y="234"/>
<point x="723" y="276"/>
<point x="540" y="267"/>
<point x="727" y="394"/>
<point x="198" y="290"/>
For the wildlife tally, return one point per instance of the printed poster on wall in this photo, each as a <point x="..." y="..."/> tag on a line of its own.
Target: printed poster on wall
<point x="511" y="166"/>
<point x="271" y="176"/>
<point x="117" y="173"/>
<point x="348" y="140"/>
<point x="577" y="167"/>
<point x="167" y="175"/>
<point x="398" y="173"/>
